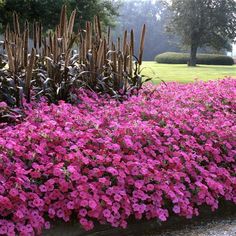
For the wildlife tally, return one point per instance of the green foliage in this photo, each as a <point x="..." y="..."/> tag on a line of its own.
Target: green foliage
<point x="48" y="11"/>
<point x="56" y="80"/>
<point x="203" y="23"/>
<point x="9" y="114"/>
<point x="183" y="58"/>
<point x="11" y="88"/>
<point x="15" y="78"/>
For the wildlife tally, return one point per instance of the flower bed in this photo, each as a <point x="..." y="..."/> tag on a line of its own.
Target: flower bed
<point x="170" y="149"/>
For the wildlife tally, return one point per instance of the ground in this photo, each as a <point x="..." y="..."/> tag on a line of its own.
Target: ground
<point x="183" y="73"/>
<point x="219" y="227"/>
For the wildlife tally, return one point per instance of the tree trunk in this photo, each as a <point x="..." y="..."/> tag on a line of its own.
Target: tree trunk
<point x="193" y="55"/>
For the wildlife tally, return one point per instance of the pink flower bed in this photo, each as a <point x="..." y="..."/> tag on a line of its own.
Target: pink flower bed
<point x="170" y="149"/>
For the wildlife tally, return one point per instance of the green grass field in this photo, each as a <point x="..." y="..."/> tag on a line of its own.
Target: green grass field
<point x="185" y="74"/>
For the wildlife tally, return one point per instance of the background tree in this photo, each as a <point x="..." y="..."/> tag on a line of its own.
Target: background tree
<point x="203" y="23"/>
<point x="48" y="11"/>
<point x="135" y="13"/>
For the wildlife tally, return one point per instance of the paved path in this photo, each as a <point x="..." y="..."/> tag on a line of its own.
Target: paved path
<point x="218" y="227"/>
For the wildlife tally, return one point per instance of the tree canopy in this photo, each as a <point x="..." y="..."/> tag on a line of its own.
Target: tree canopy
<point x="135" y="13"/>
<point x="203" y="23"/>
<point x="48" y="11"/>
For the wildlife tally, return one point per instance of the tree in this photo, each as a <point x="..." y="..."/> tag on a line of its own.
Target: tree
<point x="135" y="13"/>
<point x="203" y="23"/>
<point x="48" y="11"/>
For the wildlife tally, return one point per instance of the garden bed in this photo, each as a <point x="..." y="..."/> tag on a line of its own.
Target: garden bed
<point x="168" y="150"/>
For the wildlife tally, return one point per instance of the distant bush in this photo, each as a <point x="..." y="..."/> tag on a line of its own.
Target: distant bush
<point x="183" y="58"/>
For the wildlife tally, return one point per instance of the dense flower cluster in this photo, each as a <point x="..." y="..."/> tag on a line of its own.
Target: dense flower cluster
<point x="169" y="149"/>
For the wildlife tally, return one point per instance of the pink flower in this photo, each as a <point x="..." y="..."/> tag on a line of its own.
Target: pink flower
<point x="115" y="207"/>
<point x="60" y="213"/>
<point x="106" y="213"/>
<point x="38" y="202"/>
<point x="112" y="171"/>
<point x="176" y="209"/>
<point x="43" y="188"/>
<point x="92" y="204"/>
<point x="51" y="212"/>
<point x="19" y="214"/>
<point x="47" y="225"/>
<point x="3" y="229"/>
<point x="128" y="142"/>
<point x="13" y="192"/>
<point x="83" y="212"/>
<point x="70" y="205"/>
<point x="174" y="144"/>
<point x="117" y="197"/>
<point x="139" y="184"/>
<point x="150" y="187"/>
<point x="3" y="105"/>
<point x="84" y="203"/>
<point x="123" y="224"/>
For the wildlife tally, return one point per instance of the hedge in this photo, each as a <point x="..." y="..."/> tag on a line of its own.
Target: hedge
<point x="183" y="58"/>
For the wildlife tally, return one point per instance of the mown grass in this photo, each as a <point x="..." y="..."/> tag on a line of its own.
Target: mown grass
<point x="185" y="74"/>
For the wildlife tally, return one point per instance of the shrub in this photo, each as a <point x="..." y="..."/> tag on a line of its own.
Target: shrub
<point x="169" y="149"/>
<point x="183" y="58"/>
<point x="53" y="70"/>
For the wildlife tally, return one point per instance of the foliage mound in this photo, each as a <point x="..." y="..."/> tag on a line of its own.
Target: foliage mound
<point x="169" y="149"/>
<point x="204" y="59"/>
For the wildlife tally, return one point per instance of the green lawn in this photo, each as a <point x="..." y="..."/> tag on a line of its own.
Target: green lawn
<point x="185" y="74"/>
